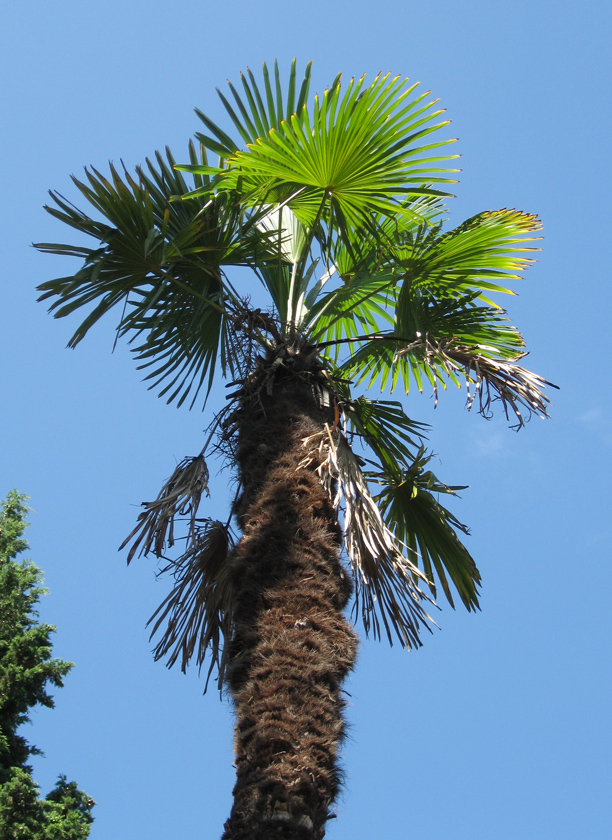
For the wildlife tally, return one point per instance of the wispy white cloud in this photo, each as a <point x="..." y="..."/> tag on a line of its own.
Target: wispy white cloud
<point x="490" y="444"/>
<point x="599" y="423"/>
<point x="593" y="417"/>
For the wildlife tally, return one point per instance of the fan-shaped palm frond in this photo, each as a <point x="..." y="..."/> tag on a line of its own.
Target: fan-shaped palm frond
<point x="384" y="427"/>
<point x="261" y="112"/>
<point x="357" y="153"/>
<point x="411" y="510"/>
<point x="421" y="526"/>
<point x="445" y="328"/>
<point x="386" y="581"/>
<point x="486" y="378"/>
<point x="163" y="263"/>
<point x="359" y="307"/>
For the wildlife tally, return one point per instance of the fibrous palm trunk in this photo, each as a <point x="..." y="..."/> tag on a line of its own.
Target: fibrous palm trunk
<point x="292" y="645"/>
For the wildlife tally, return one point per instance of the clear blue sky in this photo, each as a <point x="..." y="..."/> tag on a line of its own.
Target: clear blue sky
<point x="499" y="727"/>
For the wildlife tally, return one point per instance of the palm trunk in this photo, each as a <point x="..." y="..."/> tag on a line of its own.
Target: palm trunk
<point x="292" y="645"/>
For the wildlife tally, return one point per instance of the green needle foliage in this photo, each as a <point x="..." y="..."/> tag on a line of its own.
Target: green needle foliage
<point x="26" y="671"/>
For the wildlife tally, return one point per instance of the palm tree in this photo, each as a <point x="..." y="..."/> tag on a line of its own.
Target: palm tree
<point x="336" y="205"/>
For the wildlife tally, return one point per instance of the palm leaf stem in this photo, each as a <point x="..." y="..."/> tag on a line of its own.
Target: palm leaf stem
<point x="302" y="263"/>
<point x="214" y="426"/>
<point x="351" y="307"/>
<point x="409" y="343"/>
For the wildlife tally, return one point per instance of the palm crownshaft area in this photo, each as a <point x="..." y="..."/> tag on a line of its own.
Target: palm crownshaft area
<point x="336" y="206"/>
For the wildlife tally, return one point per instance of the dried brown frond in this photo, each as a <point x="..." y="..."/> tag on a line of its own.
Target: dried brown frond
<point x="386" y="586"/>
<point x="180" y="496"/>
<point x="487" y="379"/>
<point x="250" y="330"/>
<point x="513" y="385"/>
<point x="197" y="613"/>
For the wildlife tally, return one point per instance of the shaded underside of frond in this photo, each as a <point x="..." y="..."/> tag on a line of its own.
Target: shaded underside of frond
<point x="160" y="264"/>
<point x="409" y="499"/>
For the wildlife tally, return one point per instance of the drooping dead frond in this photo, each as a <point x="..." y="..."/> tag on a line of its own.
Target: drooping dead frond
<point x="508" y="382"/>
<point x="197" y="613"/>
<point x="487" y="379"/>
<point x="386" y="587"/>
<point x="180" y="496"/>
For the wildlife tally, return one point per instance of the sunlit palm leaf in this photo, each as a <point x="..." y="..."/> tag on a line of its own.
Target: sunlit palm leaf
<point x="442" y="329"/>
<point x="367" y="264"/>
<point x="261" y="111"/>
<point x="490" y="246"/>
<point x="432" y="323"/>
<point x="354" y="154"/>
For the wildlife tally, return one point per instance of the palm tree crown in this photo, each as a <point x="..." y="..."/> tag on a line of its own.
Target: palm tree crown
<point x="336" y="204"/>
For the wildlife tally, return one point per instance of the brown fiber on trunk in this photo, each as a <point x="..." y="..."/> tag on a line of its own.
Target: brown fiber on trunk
<point x="292" y="645"/>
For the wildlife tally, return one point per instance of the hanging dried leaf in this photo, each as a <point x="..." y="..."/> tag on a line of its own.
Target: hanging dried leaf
<point x="386" y="587"/>
<point x="180" y="496"/>
<point x="487" y="379"/>
<point x="198" y="611"/>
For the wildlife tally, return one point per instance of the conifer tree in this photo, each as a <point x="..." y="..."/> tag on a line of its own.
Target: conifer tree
<point x="26" y="671"/>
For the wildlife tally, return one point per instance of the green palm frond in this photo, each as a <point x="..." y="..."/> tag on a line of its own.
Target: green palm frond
<point x="461" y="319"/>
<point x="389" y="361"/>
<point x="445" y="328"/>
<point x="490" y="246"/>
<point x="162" y="262"/>
<point x="384" y="427"/>
<point x="427" y="529"/>
<point x="387" y="594"/>
<point x="419" y="523"/>
<point x="409" y="351"/>
<point x="358" y="307"/>
<point x="258" y="111"/>
<point x="352" y="155"/>
<point x="359" y="298"/>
